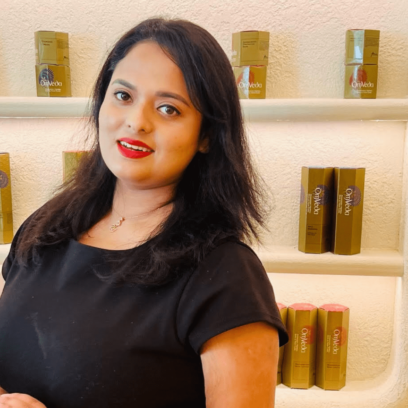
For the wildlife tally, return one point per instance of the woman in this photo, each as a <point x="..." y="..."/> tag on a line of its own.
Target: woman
<point x="131" y="287"/>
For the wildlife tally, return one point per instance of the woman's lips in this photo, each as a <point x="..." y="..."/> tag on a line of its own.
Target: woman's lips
<point x="127" y="147"/>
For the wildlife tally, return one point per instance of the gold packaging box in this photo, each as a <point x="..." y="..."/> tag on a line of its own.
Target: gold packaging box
<point x="70" y="161"/>
<point x="360" y="81"/>
<point x="283" y="310"/>
<point x="6" y="208"/>
<point x="51" y="48"/>
<point x="348" y="214"/>
<point x="362" y="46"/>
<point x="53" y="80"/>
<point x="299" y="365"/>
<point x="315" y="214"/>
<point x="251" y="81"/>
<point x="250" y="48"/>
<point x="331" y="357"/>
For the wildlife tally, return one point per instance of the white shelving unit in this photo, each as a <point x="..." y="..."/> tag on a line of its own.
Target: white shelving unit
<point x="392" y="385"/>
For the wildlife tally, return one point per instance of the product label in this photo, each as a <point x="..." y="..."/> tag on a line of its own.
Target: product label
<point x="352" y="198"/>
<point x="4" y="181"/>
<point x="251" y="81"/>
<point x="319" y="197"/>
<point x="46" y="78"/>
<point x="303" y="339"/>
<point x="358" y="79"/>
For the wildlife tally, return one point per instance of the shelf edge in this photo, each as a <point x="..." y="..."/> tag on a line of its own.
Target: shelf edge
<point x="295" y="110"/>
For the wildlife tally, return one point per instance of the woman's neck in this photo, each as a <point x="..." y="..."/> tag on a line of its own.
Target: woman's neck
<point x="130" y="202"/>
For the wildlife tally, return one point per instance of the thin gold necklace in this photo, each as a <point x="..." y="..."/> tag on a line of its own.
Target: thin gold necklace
<point x="119" y="222"/>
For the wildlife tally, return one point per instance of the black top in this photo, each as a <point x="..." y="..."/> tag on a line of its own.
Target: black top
<point x="73" y="341"/>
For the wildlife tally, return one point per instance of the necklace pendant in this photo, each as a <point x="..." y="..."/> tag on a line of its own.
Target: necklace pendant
<point x="115" y="226"/>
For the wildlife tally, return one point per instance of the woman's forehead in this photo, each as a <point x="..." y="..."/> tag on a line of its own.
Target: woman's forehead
<point x="147" y="61"/>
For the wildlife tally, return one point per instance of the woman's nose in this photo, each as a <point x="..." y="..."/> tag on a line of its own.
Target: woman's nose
<point x="139" y="119"/>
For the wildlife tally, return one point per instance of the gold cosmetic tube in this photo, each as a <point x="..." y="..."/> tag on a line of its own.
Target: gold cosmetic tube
<point x="6" y="209"/>
<point x="331" y="356"/>
<point x="250" y="48"/>
<point x="348" y="210"/>
<point x="70" y="161"/>
<point x="315" y="212"/>
<point x="51" y="48"/>
<point x="360" y="81"/>
<point x="298" y="369"/>
<point x="251" y="81"/>
<point x="283" y="310"/>
<point x="53" y="80"/>
<point x="362" y="47"/>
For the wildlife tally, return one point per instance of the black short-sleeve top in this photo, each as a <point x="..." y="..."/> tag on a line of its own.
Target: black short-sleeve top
<point x="73" y="341"/>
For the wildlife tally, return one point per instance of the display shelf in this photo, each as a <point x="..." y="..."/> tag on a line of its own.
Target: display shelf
<point x="371" y="262"/>
<point x="361" y="393"/>
<point x="4" y="250"/>
<point x="319" y="109"/>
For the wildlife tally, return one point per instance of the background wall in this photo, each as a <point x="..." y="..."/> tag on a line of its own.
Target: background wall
<point x="306" y="43"/>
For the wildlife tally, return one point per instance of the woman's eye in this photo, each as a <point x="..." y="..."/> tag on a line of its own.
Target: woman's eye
<point x="122" y="96"/>
<point x="169" y="110"/>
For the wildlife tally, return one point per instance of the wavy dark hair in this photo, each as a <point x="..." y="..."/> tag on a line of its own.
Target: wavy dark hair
<point x="219" y="196"/>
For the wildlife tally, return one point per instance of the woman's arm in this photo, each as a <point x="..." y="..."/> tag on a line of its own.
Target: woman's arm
<point x="18" y="400"/>
<point x="240" y="367"/>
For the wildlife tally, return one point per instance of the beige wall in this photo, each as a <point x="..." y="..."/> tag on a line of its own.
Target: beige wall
<point x="307" y="38"/>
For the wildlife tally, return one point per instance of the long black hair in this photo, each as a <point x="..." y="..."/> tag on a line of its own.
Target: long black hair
<point x="218" y="197"/>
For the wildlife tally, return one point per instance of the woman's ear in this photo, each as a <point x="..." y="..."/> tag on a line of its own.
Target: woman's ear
<point x="204" y="145"/>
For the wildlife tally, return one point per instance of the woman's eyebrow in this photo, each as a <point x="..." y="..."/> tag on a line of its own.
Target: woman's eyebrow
<point x="124" y="83"/>
<point x="172" y="95"/>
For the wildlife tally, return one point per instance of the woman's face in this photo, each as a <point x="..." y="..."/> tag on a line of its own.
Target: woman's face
<point x="148" y="127"/>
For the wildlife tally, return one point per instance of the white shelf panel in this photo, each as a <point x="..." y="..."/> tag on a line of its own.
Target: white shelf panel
<point x="370" y="262"/>
<point x="4" y="250"/>
<point x="318" y="109"/>
<point x="38" y="107"/>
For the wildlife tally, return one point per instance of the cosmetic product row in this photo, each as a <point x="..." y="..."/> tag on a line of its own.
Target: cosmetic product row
<point x="316" y="353"/>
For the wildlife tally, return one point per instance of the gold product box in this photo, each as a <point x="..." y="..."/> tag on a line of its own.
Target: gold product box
<point x="250" y="48"/>
<point x="315" y="214"/>
<point x="53" y="80"/>
<point x="348" y="211"/>
<point x="360" y="81"/>
<point x="331" y="357"/>
<point x="283" y="310"/>
<point x="251" y="81"/>
<point x="51" y="48"/>
<point x="362" y="47"/>
<point x="70" y="161"/>
<point x="6" y="208"/>
<point x="299" y="364"/>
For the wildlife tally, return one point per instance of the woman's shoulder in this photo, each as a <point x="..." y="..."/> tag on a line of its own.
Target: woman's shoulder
<point x="232" y="245"/>
<point x="232" y="252"/>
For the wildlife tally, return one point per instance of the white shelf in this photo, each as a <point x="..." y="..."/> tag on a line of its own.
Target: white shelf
<point x="318" y="109"/>
<point x="4" y="250"/>
<point x="38" y="107"/>
<point x="371" y="262"/>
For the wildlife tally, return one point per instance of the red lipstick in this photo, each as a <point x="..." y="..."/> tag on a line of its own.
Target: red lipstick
<point x="133" y="149"/>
